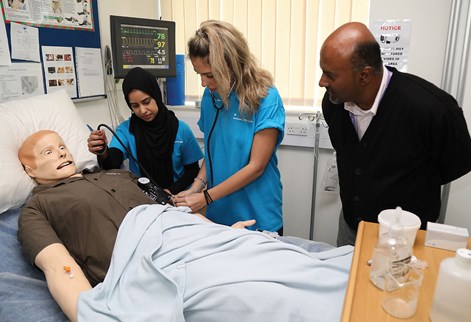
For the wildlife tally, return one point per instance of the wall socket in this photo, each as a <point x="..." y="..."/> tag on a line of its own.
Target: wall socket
<point x="297" y="128"/>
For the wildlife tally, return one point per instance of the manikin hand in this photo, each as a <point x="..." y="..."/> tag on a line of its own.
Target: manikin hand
<point x="237" y="225"/>
<point x="244" y="224"/>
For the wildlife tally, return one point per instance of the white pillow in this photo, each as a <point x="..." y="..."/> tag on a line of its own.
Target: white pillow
<point x="21" y="118"/>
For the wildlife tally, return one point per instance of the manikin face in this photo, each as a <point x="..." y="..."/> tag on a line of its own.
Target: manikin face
<point x="143" y="105"/>
<point x="338" y="77"/>
<point x="53" y="161"/>
<point x="202" y="68"/>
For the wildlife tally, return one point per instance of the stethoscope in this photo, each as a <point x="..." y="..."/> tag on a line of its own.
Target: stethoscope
<point x="218" y="109"/>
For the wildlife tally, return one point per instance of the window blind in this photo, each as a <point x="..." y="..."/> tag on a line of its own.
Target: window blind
<point x="284" y="35"/>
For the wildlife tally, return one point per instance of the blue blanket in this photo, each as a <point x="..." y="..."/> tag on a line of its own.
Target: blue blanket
<point x="169" y="265"/>
<point x="24" y="295"/>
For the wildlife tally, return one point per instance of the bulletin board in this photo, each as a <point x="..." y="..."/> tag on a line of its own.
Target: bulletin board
<point x="69" y="44"/>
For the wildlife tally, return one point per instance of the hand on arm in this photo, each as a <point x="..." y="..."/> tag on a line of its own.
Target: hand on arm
<point x="193" y="197"/>
<point x="64" y="288"/>
<point x="263" y="145"/>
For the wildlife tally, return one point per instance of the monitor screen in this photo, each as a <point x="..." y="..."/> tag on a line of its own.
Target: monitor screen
<point x="145" y="43"/>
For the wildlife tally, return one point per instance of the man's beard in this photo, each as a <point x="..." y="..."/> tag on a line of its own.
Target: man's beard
<point x="333" y="99"/>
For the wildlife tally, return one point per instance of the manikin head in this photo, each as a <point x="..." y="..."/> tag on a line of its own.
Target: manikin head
<point x="45" y="157"/>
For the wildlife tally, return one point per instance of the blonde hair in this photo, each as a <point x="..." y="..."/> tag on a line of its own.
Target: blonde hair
<point x="232" y="64"/>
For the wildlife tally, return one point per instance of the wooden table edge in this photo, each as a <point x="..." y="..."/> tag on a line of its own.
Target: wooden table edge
<point x="348" y="300"/>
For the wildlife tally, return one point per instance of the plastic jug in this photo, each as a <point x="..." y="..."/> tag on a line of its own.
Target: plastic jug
<point x="452" y="297"/>
<point x="391" y="249"/>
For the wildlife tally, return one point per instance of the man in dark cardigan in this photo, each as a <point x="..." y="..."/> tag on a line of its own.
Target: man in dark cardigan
<point x="398" y="137"/>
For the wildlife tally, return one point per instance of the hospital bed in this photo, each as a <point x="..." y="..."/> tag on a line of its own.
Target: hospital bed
<point x="24" y="295"/>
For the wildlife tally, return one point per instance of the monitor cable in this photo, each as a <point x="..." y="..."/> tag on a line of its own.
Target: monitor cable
<point x="162" y="195"/>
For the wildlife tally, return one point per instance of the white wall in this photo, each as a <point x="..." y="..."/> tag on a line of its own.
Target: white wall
<point x="430" y="20"/>
<point x="429" y="28"/>
<point x="296" y="163"/>
<point x="459" y="203"/>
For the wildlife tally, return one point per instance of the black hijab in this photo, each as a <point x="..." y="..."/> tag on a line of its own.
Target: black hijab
<point x="155" y="139"/>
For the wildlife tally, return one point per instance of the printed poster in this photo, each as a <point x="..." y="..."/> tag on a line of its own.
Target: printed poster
<point x="89" y="72"/>
<point x="68" y="14"/>
<point x="393" y="37"/>
<point x="24" y="42"/>
<point x="20" y="80"/>
<point x="4" y="49"/>
<point x="59" y="69"/>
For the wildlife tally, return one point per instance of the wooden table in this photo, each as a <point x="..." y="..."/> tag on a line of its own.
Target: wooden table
<point x="363" y="299"/>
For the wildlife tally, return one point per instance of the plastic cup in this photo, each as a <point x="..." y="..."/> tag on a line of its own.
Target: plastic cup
<point x="409" y="221"/>
<point x="401" y="291"/>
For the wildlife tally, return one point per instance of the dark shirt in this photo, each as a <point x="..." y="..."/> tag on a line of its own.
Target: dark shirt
<point x="417" y="141"/>
<point x="83" y="213"/>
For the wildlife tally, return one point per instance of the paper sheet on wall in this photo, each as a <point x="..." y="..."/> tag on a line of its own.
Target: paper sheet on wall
<point x="4" y="49"/>
<point x="20" y="80"/>
<point x="89" y="72"/>
<point x="393" y="37"/>
<point x="73" y="14"/>
<point x="24" y="42"/>
<point x="59" y="69"/>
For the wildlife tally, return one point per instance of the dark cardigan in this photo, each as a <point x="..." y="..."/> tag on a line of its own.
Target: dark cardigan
<point x="417" y="141"/>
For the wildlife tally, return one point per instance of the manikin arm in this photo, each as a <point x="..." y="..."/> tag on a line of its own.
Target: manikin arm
<point x="65" y="279"/>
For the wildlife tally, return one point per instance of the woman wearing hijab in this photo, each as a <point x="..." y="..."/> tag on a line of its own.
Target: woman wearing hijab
<point x="164" y="146"/>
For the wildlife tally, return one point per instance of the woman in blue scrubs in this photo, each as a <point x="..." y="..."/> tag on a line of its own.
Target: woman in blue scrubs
<point x="165" y="147"/>
<point x="242" y="118"/>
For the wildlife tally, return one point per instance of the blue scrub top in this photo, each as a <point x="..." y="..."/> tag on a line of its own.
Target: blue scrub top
<point x="186" y="149"/>
<point x="230" y="146"/>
